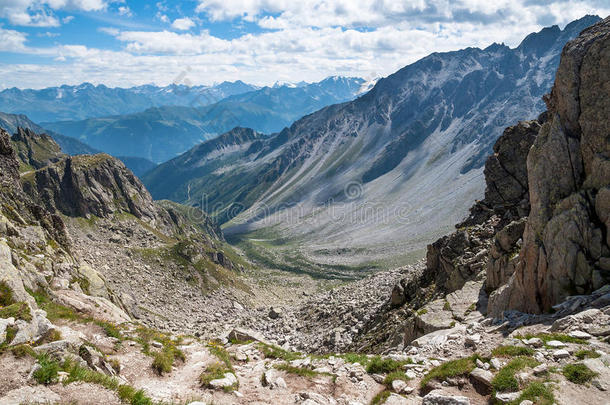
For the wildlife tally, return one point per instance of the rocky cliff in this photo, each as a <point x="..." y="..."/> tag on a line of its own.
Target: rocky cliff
<point x="546" y="203"/>
<point x="566" y="242"/>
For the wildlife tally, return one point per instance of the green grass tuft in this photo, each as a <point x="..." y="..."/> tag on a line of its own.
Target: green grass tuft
<point x="586" y="354"/>
<point x="449" y="369"/>
<point x="274" y="352"/>
<point x="379" y="365"/>
<point x="546" y="337"/>
<point x="537" y="392"/>
<point x="505" y="379"/>
<point x="578" y="373"/>
<point x="132" y="396"/>
<point x="23" y="350"/>
<point x="6" y="295"/>
<point x="18" y="310"/>
<point x="47" y="373"/>
<point x="302" y="371"/>
<point x="380" y="398"/>
<point x="395" y="375"/>
<point x="163" y="362"/>
<point x="512" y="351"/>
<point x="359" y="358"/>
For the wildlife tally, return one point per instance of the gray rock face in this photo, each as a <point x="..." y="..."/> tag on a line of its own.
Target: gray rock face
<point x="90" y="185"/>
<point x="35" y="150"/>
<point x="566" y="237"/>
<point x="506" y="171"/>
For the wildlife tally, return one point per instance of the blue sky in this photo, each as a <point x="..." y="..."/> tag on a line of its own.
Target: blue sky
<point x="123" y="43"/>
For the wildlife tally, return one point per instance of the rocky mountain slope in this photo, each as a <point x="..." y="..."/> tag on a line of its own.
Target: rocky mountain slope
<point x="376" y="179"/>
<point x="71" y="146"/>
<point x="12" y="122"/>
<point x="86" y="100"/>
<point x="159" y="134"/>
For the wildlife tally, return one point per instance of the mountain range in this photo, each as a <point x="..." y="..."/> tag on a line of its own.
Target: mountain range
<point x="377" y="178"/>
<point x="160" y="133"/>
<point x="86" y="100"/>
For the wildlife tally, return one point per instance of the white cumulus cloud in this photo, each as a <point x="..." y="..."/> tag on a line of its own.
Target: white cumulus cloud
<point x="183" y="24"/>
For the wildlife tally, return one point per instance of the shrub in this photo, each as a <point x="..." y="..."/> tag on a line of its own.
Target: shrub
<point x="451" y="368"/>
<point x="505" y="379"/>
<point x="578" y="373"/>
<point x="512" y="351"/>
<point x="47" y="373"/>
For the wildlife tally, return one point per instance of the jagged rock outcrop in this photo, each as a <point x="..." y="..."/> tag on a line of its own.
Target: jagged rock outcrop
<point x="88" y="185"/>
<point x="565" y="242"/>
<point x="35" y="151"/>
<point x="488" y="238"/>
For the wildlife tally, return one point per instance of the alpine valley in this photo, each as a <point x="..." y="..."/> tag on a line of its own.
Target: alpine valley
<point x="370" y="182"/>
<point x="439" y="238"/>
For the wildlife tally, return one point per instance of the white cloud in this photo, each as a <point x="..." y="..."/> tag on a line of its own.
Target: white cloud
<point x="12" y="41"/>
<point x="67" y="19"/>
<point x="39" y="13"/>
<point x="183" y="24"/>
<point x="162" y="17"/>
<point x="124" y="10"/>
<point x="110" y="31"/>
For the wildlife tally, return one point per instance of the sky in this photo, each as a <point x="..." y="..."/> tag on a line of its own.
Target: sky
<point x="124" y="43"/>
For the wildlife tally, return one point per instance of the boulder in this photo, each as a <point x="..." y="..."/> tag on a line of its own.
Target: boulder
<point x="275" y="313"/>
<point x="482" y="380"/>
<point x="229" y="380"/>
<point x="272" y="378"/>
<point x="439" y="397"/>
<point x="96" y="307"/>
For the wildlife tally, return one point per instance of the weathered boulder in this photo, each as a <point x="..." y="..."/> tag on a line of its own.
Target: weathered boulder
<point x="439" y="397"/>
<point x="229" y="380"/>
<point x="96" y="307"/>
